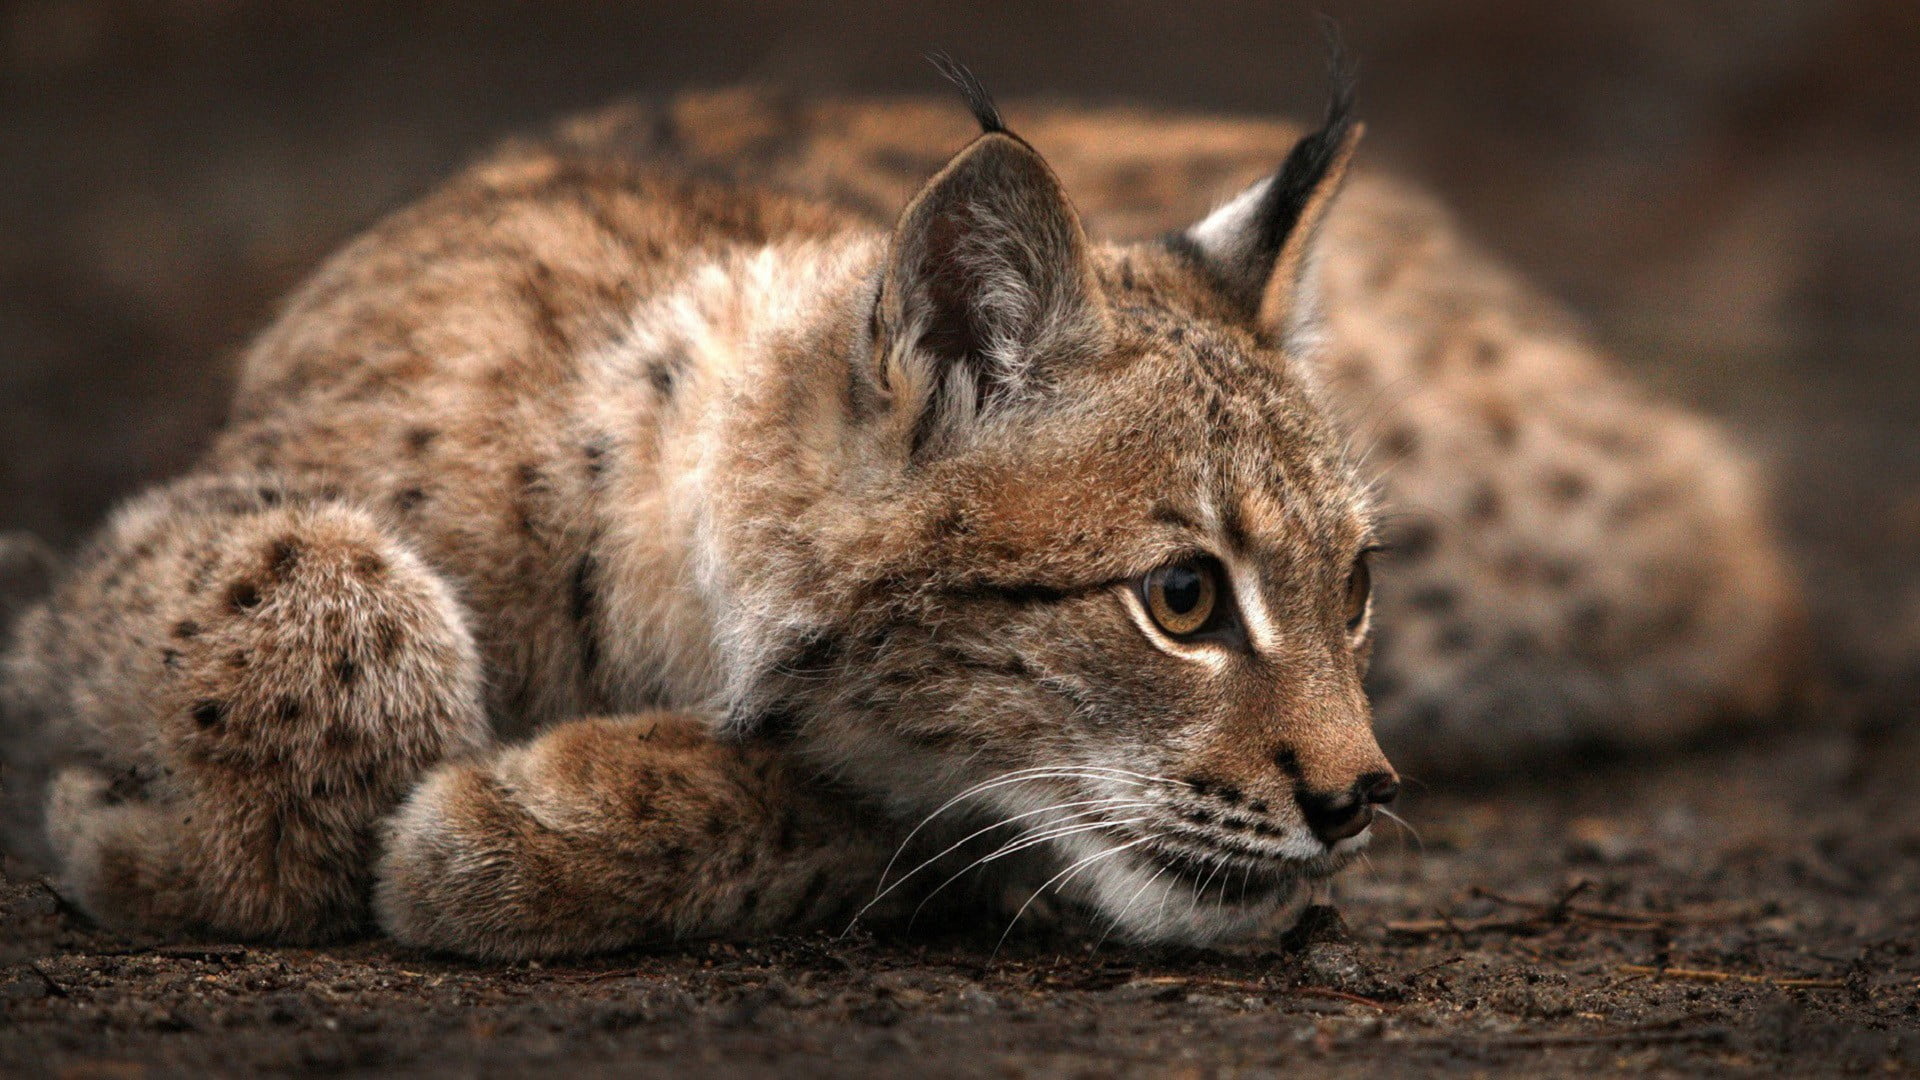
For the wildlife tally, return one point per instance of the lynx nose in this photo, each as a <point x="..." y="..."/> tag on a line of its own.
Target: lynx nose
<point x="1335" y="817"/>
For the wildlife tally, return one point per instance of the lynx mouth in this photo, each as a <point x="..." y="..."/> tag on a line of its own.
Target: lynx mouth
<point x="1208" y="865"/>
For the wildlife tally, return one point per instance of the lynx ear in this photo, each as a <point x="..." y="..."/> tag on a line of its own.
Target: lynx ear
<point x="1259" y="245"/>
<point x="988" y="283"/>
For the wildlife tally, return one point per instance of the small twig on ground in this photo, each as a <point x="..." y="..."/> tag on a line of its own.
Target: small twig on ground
<point x="1636" y="1036"/>
<point x="1701" y="975"/>
<point x="1339" y="995"/>
<point x="177" y="952"/>
<point x="1250" y="987"/>
<point x="53" y="987"/>
<point x="1641" y="1036"/>
<point x="1436" y="927"/>
<point x="1565" y="907"/>
<point x="1546" y="914"/>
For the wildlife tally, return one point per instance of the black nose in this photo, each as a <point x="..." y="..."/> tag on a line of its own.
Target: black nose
<point x="1335" y="817"/>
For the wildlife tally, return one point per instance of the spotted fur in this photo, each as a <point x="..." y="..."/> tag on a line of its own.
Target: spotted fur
<point x="656" y="529"/>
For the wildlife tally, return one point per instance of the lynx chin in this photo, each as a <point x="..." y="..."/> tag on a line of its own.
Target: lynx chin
<point x="659" y="533"/>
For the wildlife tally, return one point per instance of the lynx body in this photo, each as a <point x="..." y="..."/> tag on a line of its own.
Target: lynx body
<point x="656" y="532"/>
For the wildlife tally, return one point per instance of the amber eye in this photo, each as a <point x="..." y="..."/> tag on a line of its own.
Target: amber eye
<point x="1183" y="598"/>
<point x="1359" y="591"/>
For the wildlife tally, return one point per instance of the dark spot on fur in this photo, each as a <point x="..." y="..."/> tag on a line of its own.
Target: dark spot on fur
<point x="596" y="454"/>
<point x="282" y="555"/>
<point x="170" y="659"/>
<point x="583" y="618"/>
<point x="954" y="522"/>
<point x="1199" y="817"/>
<point x="243" y="596"/>
<point x="716" y="825"/>
<point x="661" y="377"/>
<point x="387" y="639"/>
<point x="419" y="439"/>
<point x="269" y="497"/>
<point x="287" y="709"/>
<point x="749" y="903"/>
<point x="238" y="660"/>
<point x="369" y="565"/>
<point x="1414" y="540"/>
<point x="672" y="858"/>
<point x="1559" y="573"/>
<point x="345" y="671"/>
<point x="1453" y="638"/>
<point x="1287" y="761"/>
<point x="1515" y="567"/>
<point x="1484" y="503"/>
<point x="186" y="628"/>
<point x="663" y="370"/>
<point x="1486" y="354"/>
<point x="1634" y="505"/>
<point x="1567" y="488"/>
<point x="209" y="714"/>
<point x="1258" y="806"/>
<point x="1589" y="618"/>
<point x="1503" y="426"/>
<point x="1400" y="442"/>
<point x="1434" y="599"/>
<point x="406" y="499"/>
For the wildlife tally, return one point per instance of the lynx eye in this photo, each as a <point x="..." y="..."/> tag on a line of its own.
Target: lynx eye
<point x="1184" y="598"/>
<point x="1359" y="592"/>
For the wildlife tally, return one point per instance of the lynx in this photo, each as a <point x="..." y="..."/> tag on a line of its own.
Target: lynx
<point x="639" y="539"/>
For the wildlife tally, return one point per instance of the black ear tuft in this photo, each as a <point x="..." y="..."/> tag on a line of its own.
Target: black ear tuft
<point x="1307" y="164"/>
<point x="981" y="102"/>
<point x="1258" y="246"/>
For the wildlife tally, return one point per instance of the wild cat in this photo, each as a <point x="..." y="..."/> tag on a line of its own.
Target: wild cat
<point x="604" y="550"/>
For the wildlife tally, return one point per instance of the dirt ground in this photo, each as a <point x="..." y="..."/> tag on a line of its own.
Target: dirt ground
<point x="1724" y="189"/>
<point x="1743" y="907"/>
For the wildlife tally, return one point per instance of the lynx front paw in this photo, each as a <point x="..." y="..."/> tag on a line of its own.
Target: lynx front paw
<point x="608" y="833"/>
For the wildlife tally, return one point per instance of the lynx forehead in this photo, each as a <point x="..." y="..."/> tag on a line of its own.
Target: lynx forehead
<point x="602" y="553"/>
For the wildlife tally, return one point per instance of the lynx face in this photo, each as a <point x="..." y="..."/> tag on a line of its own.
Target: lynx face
<point x="1099" y="570"/>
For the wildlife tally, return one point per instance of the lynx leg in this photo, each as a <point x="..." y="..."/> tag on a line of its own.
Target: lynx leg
<point x="610" y="832"/>
<point x="224" y="697"/>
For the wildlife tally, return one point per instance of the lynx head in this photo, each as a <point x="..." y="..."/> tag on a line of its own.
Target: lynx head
<point x="1077" y="547"/>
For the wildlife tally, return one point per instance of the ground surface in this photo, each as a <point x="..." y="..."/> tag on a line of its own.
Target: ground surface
<point x="1725" y="188"/>
<point x="1740" y="907"/>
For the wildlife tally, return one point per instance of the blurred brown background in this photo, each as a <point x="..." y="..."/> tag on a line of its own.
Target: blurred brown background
<point x="1724" y="188"/>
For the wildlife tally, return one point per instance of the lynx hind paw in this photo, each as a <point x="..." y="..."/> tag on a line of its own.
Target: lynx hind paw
<point x="116" y="857"/>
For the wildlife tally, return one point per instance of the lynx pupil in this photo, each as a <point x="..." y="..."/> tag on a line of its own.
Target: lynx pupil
<point x="1181" y="598"/>
<point x="1182" y="590"/>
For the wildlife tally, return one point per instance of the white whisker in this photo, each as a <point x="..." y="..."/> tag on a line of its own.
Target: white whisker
<point x="1017" y="776"/>
<point x="1099" y="806"/>
<point x="1134" y="899"/>
<point x="1045" y="885"/>
<point x="1017" y="845"/>
<point x="1405" y="828"/>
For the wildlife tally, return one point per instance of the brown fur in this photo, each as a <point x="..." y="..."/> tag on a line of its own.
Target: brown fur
<point x="863" y="510"/>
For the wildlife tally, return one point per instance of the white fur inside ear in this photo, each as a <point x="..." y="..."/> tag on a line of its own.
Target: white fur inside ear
<point x="1226" y="237"/>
